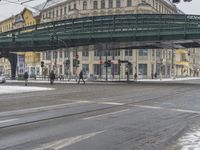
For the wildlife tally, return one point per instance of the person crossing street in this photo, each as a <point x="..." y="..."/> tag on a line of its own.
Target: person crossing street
<point x="81" y="77"/>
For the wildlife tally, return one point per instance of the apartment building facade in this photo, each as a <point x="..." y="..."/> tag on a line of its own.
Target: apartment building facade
<point x="145" y="62"/>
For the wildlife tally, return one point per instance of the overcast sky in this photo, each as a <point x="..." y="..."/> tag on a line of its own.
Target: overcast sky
<point x="7" y="9"/>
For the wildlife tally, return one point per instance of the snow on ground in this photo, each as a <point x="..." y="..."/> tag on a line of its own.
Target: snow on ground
<point x="189" y="141"/>
<point x="21" y="89"/>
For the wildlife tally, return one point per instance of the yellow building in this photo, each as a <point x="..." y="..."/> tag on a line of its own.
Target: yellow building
<point x="32" y="59"/>
<point x="6" y="25"/>
<point x="182" y="62"/>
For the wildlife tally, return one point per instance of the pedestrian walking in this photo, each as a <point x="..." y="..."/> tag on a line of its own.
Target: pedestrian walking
<point x="81" y="77"/>
<point x="26" y="78"/>
<point x="135" y="76"/>
<point x="52" y="77"/>
<point x="155" y="75"/>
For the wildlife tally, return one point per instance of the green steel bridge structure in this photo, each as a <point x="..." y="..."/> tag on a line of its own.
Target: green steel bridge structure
<point x="111" y="32"/>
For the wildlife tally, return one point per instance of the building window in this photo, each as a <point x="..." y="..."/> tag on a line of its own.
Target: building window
<point x="95" y="5"/>
<point x="85" y="68"/>
<point x="158" y="53"/>
<point x="84" y="5"/>
<point x="102" y="4"/>
<point x="61" y="11"/>
<point x="97" y="69"/>
<point x="128" y="52"/>
<point x="74" y="5"/>
<point x="110" y="4"/>
<point x="142" y="69"/>
<point x="116" y="52"/>
<point x="153" y="52"/>
<point x="108" y="53"/>
<point x="143" y="52"/>
<point x="48" y="55"/>
<point x="65" y="54"/>
<point x="96" y="53"/>
<point x="129" y="3"/>
<point x="85" y="53"/>
<point x="65" y="10"/>
<point x="118" y="4"/>
<point x="53" y="14"/>
<point x="55" y="55"/>
<point x="61" y="54"/>
<point x="56" y="12"/>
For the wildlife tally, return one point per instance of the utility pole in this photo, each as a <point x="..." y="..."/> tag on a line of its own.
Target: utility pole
<point x="173" y="69"/>
<point x="106" y="66"/>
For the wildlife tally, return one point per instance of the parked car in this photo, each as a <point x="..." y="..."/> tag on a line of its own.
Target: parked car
<point x="2" y="79"/>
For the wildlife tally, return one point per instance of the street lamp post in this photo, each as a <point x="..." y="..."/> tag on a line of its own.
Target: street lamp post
<point x="161" y="63"/>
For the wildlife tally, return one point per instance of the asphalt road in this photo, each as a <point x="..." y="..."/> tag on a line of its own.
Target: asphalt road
<point x="99" y="116"/>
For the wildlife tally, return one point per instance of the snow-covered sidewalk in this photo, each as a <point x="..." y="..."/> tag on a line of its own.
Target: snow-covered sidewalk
<point x="21" y="89"/>
<point x="110" y="80"/>
<point x="169" y="79"/>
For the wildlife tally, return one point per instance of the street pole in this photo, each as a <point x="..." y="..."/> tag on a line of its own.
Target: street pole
<point x="161" y="63"/>
<point x="68" y="58"/>
<point x="76" y="65"/>
<point x="173" y="71"/>
<point x="106" y="66"/>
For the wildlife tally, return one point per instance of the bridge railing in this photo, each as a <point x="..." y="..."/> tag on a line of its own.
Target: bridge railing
<point x="129" y="25"/>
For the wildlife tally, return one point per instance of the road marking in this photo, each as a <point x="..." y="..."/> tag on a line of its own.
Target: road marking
<point x="97" y="102"/>
<point x="169" y="109"/>
<point x="146" y="106"/>
<point x="112" y="113"/>
<point x="56" y="145"/>
<point x="36" y="109"/>
<point x="111" y="103"/>
<point x="4" y="121"/>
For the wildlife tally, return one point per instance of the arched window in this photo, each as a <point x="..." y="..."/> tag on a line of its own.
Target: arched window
<point x="84" y="5"/>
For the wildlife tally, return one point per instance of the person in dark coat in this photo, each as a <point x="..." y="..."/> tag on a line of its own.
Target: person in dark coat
<point x="52" y="77"/>
<point x="135" y="76"/>
<point x="81" y="77"/>
<point x="156" y="75"/>
<point x="26" y="78"/>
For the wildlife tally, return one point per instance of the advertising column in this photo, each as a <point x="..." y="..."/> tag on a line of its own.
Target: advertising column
<point x="20" y="65"/>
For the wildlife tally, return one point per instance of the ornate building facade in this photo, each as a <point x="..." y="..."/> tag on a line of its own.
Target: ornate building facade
<point x="145" y="62"/>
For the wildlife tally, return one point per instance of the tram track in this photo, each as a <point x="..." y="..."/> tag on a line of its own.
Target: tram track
<point x="100" y="111"/>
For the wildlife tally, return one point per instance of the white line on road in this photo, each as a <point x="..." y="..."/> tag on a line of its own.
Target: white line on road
<point x="56" y="145"/>
<point x="110" y="103"/>
<point x="97" y="102"/>
<point x="112" y="113"/>
<point x="4" y="121"/>
<point x="169" y="109"/>
<point x="36" y="109"/>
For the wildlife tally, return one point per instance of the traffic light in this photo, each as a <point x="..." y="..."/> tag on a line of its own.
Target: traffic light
<point x="119" y="62"/>
<point x="76" y="63"/>
<point x="42" y="64"/>
<point x="109" y="63"/>
<point x="176" y="1"/>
